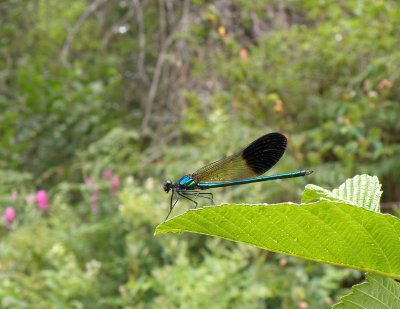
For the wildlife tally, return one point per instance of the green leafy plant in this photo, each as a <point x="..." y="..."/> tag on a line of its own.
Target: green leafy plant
<point x="375" y="292"/>
<point x="341" y="227"/>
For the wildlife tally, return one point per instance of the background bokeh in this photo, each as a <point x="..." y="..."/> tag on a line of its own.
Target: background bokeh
<point x="101" y="101"/>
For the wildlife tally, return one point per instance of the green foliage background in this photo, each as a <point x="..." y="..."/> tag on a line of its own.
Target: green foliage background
<point x="155" y="89"/>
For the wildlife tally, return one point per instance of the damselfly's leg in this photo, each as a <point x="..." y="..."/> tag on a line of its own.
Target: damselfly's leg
<point x="206" y="195"/>
<point x="171" y="205"/>
<point x="180" y="193"/>
<point x="210" y="196"/>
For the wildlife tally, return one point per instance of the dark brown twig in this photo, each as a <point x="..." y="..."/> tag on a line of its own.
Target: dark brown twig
<point x="142" y="40"/>
<point x="75" y="29"/>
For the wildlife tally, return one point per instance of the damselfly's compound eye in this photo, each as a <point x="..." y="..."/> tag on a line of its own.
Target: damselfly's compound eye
<point x="167" y="186"/>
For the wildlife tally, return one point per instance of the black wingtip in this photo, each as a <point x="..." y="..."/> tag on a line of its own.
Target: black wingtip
<point x="265" y="152"/>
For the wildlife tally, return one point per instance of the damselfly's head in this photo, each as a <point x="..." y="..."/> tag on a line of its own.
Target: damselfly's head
<point x="168" y="186"/>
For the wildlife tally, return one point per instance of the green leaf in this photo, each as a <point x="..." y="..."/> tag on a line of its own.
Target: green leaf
<point x="375" y="292"/>
<point x="314" y="193"/>
<point x="361" y="190"/>
<point x="330" y="232"/>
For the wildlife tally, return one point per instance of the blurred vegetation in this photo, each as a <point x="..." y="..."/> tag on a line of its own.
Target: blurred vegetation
<point x="101" y="101"/>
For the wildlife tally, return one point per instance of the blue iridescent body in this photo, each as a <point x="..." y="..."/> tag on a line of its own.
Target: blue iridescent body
<point x="187" y="182"/>
<point x="243" y="167"/>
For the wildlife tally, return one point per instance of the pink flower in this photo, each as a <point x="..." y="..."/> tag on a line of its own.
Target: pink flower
<point x="41" y="200"/>
<point x="13" y="196"/>
<point x="9" y="215"/>
<point x="114" y="184"/>
<point x="88" y="181"/>
<point x="30" y="199"/>
<point x="94" y="201"/>
<point x="107" y="174"/>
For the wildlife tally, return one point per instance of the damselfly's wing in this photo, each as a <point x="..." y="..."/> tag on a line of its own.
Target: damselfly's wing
<point x="254" y="160"/>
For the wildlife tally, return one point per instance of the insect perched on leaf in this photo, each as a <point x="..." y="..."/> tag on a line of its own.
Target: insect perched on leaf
<point x="243" y="167"/>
